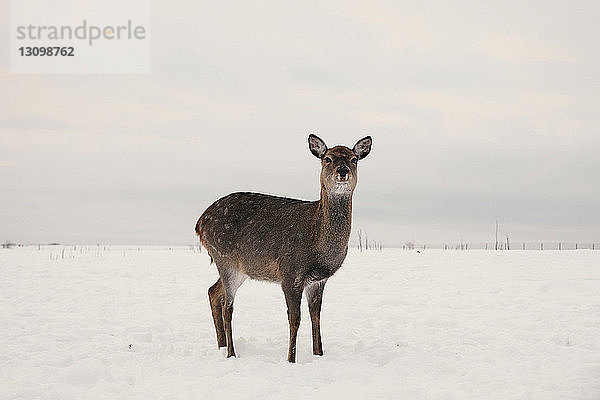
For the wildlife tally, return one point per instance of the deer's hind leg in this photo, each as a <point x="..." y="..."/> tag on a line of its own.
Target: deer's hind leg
<point x="232" y="279"/>
<point x="216" y="296"/>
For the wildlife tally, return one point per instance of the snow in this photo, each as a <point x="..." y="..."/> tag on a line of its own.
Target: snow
<point x="122" y="322"/>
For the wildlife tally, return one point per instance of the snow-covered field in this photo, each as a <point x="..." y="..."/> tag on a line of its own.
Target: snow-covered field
<point x="123" y="323"/>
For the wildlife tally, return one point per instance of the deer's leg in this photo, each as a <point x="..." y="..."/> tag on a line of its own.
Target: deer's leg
<point x="293" y="297"/>
<point x="314" y="297"/>
<point x="216" y="296"/>
<point x="232" y="280"/>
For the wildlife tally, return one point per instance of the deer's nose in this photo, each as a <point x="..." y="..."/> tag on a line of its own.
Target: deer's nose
<point x="343" y="170"/>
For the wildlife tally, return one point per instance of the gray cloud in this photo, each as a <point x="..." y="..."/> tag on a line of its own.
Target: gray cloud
<point x="478" y="112"/>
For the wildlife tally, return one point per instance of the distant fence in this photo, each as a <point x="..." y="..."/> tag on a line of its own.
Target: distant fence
<point x="505" y="246"/>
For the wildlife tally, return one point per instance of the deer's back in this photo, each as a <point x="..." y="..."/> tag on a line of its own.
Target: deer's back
<point x="257" y="233"/>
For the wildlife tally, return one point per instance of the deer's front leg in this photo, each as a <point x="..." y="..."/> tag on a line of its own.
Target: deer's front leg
<point x="293" y="298"/>
<point x="314" y="297"/>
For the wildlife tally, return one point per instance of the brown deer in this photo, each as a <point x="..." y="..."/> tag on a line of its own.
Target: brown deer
<point x="296" y="243"/>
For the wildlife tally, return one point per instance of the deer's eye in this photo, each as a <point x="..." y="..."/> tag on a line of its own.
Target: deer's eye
<point x="354" y="160"/>
<point x="327" y="160"/>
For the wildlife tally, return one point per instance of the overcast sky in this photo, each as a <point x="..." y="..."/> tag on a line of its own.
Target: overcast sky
<point x="478" y="111"/>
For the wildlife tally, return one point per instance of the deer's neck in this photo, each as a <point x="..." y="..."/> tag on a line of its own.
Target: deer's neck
<point x="334" y="221"/>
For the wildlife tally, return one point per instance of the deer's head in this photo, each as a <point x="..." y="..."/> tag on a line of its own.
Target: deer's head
<point x="339" y="164"/>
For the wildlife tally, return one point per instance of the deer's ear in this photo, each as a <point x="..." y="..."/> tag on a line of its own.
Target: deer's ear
<point x="362" y="148"/>
<point x="316" y="146"/>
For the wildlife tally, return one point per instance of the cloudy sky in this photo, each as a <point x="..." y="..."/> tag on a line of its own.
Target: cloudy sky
<point x="479" y="111"/>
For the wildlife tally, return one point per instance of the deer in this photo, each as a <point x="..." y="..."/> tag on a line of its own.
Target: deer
<point x="296" y="243"/>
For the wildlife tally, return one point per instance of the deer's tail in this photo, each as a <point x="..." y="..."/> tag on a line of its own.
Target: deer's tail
<point x="201" y="237"/>
<point x="199" y="233"/>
